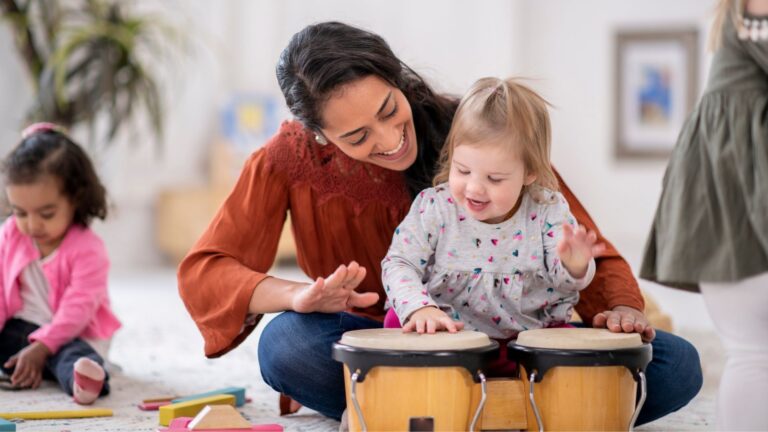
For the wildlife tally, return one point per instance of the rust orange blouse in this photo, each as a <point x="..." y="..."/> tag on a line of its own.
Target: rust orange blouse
<point x="341" y="210"/>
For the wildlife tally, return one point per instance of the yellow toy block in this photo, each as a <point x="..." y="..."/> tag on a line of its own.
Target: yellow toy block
<point x="44" y="415"/>
<point x="192" y="408"/>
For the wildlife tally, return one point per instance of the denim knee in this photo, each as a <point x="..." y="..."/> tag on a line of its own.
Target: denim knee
<point x="692" y="382"/>
<point x="276" y="348"/>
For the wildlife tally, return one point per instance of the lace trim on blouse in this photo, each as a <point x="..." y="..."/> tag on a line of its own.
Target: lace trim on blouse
<point x="331" y="173"/>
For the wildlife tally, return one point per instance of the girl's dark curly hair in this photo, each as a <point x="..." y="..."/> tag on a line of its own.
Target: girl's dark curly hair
<point x="50" y="152"/>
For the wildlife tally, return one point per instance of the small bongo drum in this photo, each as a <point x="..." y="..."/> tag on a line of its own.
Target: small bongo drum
<point x="582" y="378"/>
<point x="399" y="381"/>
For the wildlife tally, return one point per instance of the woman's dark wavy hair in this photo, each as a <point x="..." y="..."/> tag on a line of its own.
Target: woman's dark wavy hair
<point x="322" y="57"/>
<point x="52" y="153"/>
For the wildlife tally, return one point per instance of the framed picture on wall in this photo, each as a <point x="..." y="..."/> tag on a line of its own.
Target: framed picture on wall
<point x="656" y="87"/>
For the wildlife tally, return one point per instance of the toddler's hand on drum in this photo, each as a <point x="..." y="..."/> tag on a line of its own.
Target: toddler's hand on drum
<point x="431" y="319"/>
<point x="625" y="319"/>
<point x="336" y="293"/>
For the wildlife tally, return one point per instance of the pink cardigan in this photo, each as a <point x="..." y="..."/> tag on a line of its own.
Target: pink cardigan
<point x="77" y="276"/>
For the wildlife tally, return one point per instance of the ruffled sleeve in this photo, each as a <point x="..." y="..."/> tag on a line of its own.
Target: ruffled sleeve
<point x="218" y="276"/>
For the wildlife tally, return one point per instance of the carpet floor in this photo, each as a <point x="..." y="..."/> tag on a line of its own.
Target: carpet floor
<point x="159" y="352"/>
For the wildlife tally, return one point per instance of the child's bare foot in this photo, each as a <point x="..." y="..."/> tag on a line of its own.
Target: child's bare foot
<point x="89" y="379"/>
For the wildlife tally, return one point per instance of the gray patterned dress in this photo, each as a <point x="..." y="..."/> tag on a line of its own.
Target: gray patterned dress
<point x="499" y="279"/>
<point x="711" y="224"/>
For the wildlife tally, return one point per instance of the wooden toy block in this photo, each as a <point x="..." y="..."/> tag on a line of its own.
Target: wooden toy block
<point x="45" y="415"/>
<point x="192" y="407"/>
<point x="237" y="392"/>
<point x="181" y="424"/>
<point x="6" y="426"/>
<point x="159" y="399"/>
<point x="153" y="406"/>
<point x="219" y="417"/>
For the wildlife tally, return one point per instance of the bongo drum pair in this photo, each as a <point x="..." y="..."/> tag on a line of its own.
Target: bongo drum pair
<point x="577" y="379"/>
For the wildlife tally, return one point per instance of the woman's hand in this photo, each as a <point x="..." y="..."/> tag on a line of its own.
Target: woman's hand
<point x="430" y="319"/>
<point x="625" y="319"/>
<point x="29" y="364"/>
<point x="576" y="248"/>
<point x="336" y="293"/>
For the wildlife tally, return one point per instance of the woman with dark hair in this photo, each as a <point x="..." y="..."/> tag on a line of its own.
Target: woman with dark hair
<point x="366" y="138"/>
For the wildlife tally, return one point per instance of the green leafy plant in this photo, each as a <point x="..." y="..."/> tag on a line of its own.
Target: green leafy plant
<point x="88" y="61"/>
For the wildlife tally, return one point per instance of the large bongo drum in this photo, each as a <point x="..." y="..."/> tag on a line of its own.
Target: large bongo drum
<point x="399" y="381"/>
<point x="581" y="378"/>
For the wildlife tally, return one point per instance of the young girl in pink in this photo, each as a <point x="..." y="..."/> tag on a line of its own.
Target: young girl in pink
<point x="55" y="317"/>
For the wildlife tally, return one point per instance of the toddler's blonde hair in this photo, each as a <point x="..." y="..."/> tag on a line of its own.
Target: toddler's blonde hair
<point x="503" y="109"/>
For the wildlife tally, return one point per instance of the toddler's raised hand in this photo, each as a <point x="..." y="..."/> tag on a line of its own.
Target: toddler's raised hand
<point x="576" y="248"/>
<point x="431" y="319"/>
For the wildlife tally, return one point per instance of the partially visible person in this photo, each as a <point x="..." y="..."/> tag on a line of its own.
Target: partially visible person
<point x="495" y="248"/>
<point x="366" y="139"/>
<point x="710" y="233"/>
<point x="55" y="315"/>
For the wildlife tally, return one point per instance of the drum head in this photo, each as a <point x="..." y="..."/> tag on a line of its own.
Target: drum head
<point x="395" y="339"/>
<point x="544" y="349"/>
<point x="362" y="350"/>
<point x="578" y="338"/>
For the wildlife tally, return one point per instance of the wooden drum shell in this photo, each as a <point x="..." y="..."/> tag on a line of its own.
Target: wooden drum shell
<point x="390" y="396"/>
<point x="583" y="398"/>
<point x="586" y="379"/>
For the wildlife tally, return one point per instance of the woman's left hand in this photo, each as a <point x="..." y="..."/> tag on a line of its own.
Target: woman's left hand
<point x="625" y="319"/>
<point x="28" y="364"/>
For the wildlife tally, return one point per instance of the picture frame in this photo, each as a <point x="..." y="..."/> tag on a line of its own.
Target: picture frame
<point x="656" y="84"/>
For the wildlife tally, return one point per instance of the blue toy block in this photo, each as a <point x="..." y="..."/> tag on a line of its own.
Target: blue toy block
<point x="237" y="392"/>
<point x="6" y="426"/>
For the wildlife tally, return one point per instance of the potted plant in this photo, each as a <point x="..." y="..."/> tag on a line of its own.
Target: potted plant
<point x="88" y="61"/>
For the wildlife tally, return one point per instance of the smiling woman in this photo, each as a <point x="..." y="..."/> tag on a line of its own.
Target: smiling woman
<point x="380" y="132"/>
<point x="384" y="128"/>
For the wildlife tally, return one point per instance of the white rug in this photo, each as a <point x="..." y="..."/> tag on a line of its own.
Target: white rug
<point x="160" y="353"/>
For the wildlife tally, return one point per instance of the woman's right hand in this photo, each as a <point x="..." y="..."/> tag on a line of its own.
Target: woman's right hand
<point x="430" y="319"/>
<point x="336" y="293"/>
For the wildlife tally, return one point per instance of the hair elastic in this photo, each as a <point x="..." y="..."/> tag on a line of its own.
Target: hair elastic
<point x="41" y="127"/>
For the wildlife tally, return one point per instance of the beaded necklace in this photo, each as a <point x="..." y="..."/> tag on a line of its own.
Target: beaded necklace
<point x="754" y="29"/>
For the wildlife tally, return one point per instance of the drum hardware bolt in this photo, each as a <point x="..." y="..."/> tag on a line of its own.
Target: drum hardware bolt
<point x="353" y="395"/>
<point x="483" y="387"/>
<point x="531" y="381"/>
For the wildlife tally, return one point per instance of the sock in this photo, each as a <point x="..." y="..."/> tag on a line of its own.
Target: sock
<point x="89" y="379"/>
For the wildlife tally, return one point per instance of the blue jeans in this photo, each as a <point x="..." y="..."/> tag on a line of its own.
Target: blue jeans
<point x="58" y="367"/>
<point x="295" y="359"/>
